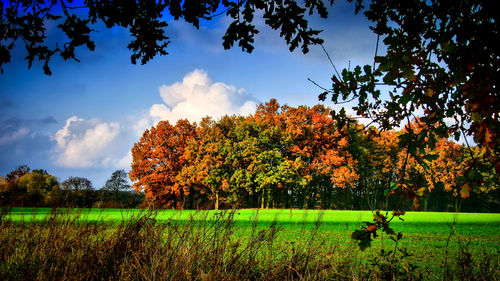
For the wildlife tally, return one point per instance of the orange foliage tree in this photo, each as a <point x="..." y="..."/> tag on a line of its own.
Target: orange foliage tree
<point x="158" y="158"/>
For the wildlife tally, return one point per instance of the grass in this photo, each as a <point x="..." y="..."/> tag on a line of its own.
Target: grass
<point x="414" y="222"/>
<point x="247" y="244"/>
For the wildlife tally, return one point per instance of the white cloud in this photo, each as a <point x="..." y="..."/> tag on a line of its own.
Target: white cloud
<point x="139" y="126"/>
<point x="16" y="135"/>
<point x="126" y="161"/>
<point x="197" y="96"/>
<point x="84" y="143"/>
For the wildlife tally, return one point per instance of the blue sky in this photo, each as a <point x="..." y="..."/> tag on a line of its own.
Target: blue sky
<point x="84" y="119"/>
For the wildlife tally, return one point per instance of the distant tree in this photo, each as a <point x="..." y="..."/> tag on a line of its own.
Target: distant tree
<point x="79" y="191"/>
<point x="17" y="172"/>
<point x="22" y="187"/>
<point x="14" y="194"/>
<point x="115" y="185"/>
<point x="117" y="182"/>
<point x="37" y="185"/>
<point x="77" y="184"/>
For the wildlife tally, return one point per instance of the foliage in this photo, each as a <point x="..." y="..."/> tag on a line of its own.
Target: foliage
<point x="277" y="157"/>
<point x="158" y="158"/>
<point x="287" y="157"/>
<point x="441" y="59"/>
<point x="37" y="188"/>
<point x="116" y="193"/>
<point x="23" y="187"/>
<point x="27" y="22"/>
<point x="117" y="182"/>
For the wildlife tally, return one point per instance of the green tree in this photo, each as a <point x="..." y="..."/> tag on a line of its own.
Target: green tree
<point x="13" y="193"/>
<point x="206" y="166"/>
<point x="37" y="185"/>
<point x="23" y="187"/>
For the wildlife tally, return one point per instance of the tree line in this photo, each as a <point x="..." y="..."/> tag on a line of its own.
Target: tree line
<point x="24" y="187"/>
<point x="279" y="157"/>
<point x="300" y="157"/>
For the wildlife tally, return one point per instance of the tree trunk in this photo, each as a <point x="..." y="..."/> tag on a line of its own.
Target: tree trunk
<point x="262" y="200"/>
<point x="216" y="200"/>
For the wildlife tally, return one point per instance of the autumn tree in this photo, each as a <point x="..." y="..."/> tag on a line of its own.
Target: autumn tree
<point x="206" y="162"/>
<point x="269" y="164"/>
<point x="37" y="184"/>
<point x="441" y="59"/>
<point x="26" y="187"/>
<point x="377" y="156"/>
<point x="284" y="156"/>
<point x="12" y="193"/>
<point x="315" y="141"/>
<point x="158" y="158"/>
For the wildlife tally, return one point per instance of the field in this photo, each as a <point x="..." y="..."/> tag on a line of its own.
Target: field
<point x="282" y="244"/>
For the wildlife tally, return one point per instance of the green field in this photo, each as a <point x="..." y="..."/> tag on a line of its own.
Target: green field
<point x="434" y="241"/>
<point x="414" y="222"/>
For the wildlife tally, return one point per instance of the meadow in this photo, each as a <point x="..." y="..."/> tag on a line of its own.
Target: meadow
<point x="244" y="244"/>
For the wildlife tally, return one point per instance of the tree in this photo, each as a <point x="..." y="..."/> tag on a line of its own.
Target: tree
<point x="23" y="187"/>
<point x="441" y="59"/>
<point x="13" y="193"/>
<point x="117" y="182"/>
<point x="441" y="56"/>
<point x="78" y="191"/>
<point x="37" y="185"/>
<point x="27" y="21"/>
<point x="77" y="184"/>
<point x="114" y="186"/>
<point x="17" y="173"/>
<point x="158" y="158"/>
<point x="206" y="166"/>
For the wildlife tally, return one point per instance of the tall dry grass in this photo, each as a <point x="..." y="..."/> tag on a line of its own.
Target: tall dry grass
<point x="62" y="247"/>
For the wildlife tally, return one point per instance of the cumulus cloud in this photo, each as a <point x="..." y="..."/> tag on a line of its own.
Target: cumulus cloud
<point x="197" y="96"/>
<point x="84" y="143"/>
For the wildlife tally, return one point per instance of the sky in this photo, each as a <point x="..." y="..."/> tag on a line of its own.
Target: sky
<point x="84" y="119"/>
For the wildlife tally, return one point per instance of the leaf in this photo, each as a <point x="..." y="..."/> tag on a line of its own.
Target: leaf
<point x="393" y="186"/>
<point x="465" y="191"/>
